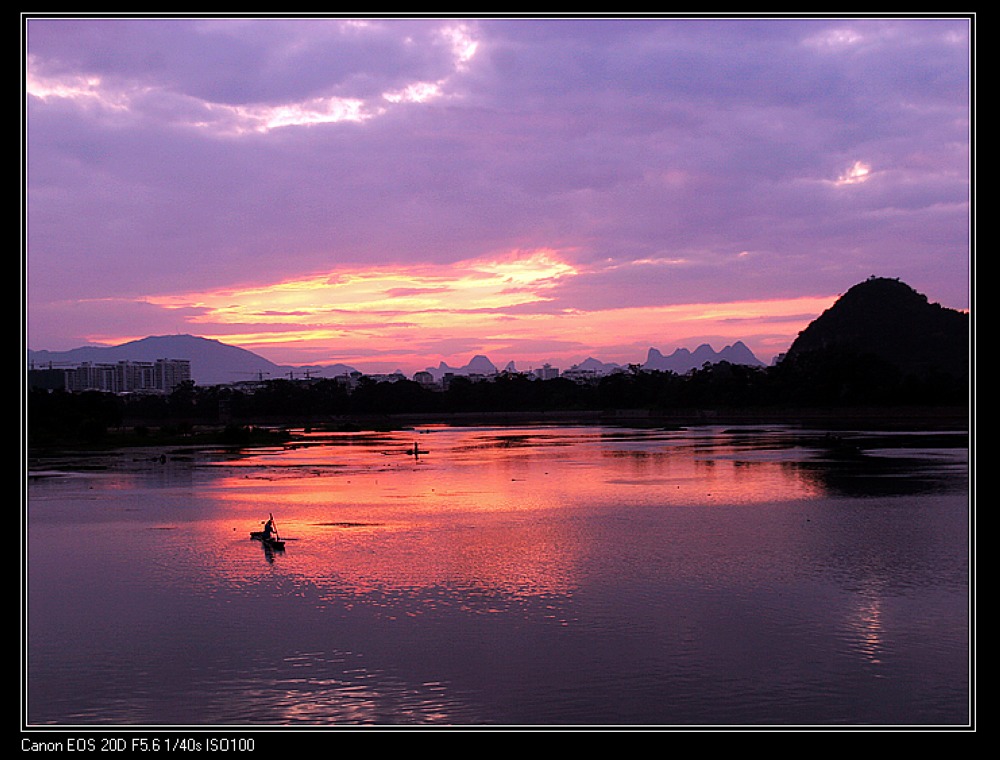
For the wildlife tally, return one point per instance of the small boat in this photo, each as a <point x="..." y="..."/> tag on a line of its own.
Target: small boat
<point x="271" y="543"/>
<point x="415" y="451"/>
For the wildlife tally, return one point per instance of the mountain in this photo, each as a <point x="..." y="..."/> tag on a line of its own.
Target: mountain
<point x="212" y="362"/>
<point x="887" y="320"/>
<point x="682" y="360"/>
<point x="478" y="365"/>
<point x="216" y="363"/>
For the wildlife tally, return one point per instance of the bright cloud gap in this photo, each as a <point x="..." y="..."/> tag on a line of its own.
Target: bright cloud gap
<point x="405" y="313"/>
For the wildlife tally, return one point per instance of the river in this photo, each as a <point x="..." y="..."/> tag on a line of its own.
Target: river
<point x="530" y="576"/>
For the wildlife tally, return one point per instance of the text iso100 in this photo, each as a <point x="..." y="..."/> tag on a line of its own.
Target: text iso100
<point x="229" y="744"/>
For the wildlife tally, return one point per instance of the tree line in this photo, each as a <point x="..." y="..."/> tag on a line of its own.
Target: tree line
<point x="830" y="379"/>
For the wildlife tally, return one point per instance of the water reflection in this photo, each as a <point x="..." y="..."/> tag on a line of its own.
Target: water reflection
<point x="528" y="575"/>
<point x="486" y="509"/>
<point x="868" y="626"/>
<point x="270" y="551"/>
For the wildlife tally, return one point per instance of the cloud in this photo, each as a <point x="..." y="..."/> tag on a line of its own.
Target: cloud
<point x="666" y="161"/>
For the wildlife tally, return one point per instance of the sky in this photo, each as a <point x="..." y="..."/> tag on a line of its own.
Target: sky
<point x="391" y="193"/>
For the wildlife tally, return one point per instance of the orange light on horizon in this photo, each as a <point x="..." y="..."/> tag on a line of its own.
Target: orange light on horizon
<point x="507" y="305"/>
<point x="604" y="331"/>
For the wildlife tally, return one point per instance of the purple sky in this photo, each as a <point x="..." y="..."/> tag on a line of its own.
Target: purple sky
<point x="391" y="193"/>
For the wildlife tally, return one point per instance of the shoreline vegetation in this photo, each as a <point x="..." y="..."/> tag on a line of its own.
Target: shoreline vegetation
<point x="265" y="431"/>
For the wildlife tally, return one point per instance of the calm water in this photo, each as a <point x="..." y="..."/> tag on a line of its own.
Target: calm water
<point x="518" y="576"/>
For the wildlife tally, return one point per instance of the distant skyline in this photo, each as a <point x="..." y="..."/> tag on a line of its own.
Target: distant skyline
<point x="391" y="193"/>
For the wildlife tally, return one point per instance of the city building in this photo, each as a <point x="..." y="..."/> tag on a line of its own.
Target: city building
<point x="160" y="376"/>
<point x="547" y="372"/>
<point x="581" y="375"/>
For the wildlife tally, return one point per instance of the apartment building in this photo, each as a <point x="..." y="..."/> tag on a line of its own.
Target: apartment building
<point x="160" y="376"/>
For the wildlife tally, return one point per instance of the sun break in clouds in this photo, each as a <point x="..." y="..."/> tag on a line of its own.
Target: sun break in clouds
<point x="348" y="182"/>
<point x="407" y="317"/>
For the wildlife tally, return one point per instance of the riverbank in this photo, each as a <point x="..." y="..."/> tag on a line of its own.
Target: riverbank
<point x="832" y="418"/>
<point x="277" y="430"/>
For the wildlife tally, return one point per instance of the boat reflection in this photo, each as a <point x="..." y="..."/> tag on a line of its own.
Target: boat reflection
<point x="271" y="549"/>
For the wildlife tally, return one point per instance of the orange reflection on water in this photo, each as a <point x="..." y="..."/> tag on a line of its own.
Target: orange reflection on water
<point x="474" y="509"/>
<point x="869" y="628"/>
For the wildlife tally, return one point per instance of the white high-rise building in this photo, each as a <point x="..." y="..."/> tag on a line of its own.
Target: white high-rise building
<point x="162" y="376"/>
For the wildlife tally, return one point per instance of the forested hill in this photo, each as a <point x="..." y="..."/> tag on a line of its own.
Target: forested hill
<point x="886" y="320"/>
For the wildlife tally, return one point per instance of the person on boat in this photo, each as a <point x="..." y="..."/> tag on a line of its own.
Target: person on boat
<point x="269" y="530"/>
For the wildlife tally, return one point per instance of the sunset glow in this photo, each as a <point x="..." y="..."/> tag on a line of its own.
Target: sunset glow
<point x="390" y="193"/>
<point x="505" y="307"/>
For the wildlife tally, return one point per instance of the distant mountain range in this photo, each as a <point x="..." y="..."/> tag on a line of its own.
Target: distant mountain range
<point x="216" y="363"/>
<point x="212" y="362"/>
<point x="682" y="360"/>
<point x="478" y="365"/>
<point x="880" y="318"/>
